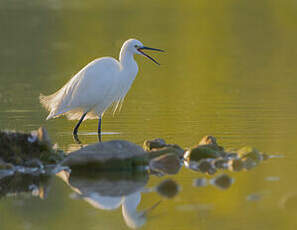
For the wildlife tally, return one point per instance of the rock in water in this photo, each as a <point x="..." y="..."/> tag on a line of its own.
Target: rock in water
<point x="115" y="155"/>
<point x="158" y="147"/>
<point x="207" y="148"/>
<point x="157" y="143"/>
<point x="18" y="148"/>
<point x="207" y="140"/>
<point x="201" y="152"/>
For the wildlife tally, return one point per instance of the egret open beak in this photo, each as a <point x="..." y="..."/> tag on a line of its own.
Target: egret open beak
<point x="148" y="48"/>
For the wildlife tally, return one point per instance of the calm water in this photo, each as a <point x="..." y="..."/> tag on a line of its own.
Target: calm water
<point x="229" y="71"/>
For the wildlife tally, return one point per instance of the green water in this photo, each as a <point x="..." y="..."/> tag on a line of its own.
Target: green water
<point x="229" y="71"/>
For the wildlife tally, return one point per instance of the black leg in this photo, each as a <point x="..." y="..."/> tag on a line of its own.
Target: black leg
<point x="76" y="128"/>
<point x="99" y="129"/>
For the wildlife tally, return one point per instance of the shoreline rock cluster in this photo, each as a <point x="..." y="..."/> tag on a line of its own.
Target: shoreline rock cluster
<point x="35" y="150"/>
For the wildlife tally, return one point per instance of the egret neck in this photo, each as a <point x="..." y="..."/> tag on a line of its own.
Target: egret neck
<point x="127" y="59"/>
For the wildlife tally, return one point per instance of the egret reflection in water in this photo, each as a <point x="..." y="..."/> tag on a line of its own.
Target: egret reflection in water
<point x="109" y="191"/>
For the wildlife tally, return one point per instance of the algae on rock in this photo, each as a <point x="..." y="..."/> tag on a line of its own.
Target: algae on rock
<point x="18" y="148"/>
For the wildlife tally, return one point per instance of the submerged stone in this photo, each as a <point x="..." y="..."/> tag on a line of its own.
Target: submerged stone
<point x="168" y="188"/>
<point x="166" y="164"/>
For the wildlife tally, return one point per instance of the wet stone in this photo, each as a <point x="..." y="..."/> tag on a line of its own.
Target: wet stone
<point x="201" y="152"/>
<point x="206" y="140"/>
<point x="157" y="143"/>
<point x="18" y="148"/>
<point x="115" y="155"/>
<point x="168" y="188"/>
<point x="206" y="166"/>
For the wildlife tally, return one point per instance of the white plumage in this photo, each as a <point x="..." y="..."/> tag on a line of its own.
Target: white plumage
<point x="99" y="84"/>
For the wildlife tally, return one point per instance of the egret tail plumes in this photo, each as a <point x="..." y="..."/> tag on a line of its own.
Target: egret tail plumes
<point x="51" y="103"/>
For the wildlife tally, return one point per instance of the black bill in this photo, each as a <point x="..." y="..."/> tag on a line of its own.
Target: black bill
<point x="148" y="48"/>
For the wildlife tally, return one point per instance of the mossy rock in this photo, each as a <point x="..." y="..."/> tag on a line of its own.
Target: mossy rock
<point x="202" y="152"/>
<point x="157" y="143"/>
<point x="207" y="140"/>
<point x="18" y="148"/>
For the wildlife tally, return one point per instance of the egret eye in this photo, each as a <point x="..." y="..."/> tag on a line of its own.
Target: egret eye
<point x="136" y="46"/>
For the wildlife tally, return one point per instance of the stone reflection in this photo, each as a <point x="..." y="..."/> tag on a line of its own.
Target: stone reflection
<point x="110" y="190"/>
<point x="168" y="188"/>
<point x="19" y="183"/>
<point x="222" y="181"/>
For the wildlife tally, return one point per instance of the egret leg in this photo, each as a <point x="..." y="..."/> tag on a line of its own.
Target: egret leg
<point x="77" y="126"/>
<point x="99" y="129"/>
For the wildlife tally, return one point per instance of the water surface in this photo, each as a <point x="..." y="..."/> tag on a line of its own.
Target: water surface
<point x="229" y="71"/>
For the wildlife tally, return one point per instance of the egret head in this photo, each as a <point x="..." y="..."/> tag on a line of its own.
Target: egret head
<point x="136" y="47"/>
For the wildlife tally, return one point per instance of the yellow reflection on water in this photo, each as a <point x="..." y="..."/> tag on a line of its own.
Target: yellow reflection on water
<point x="229" y="71"/>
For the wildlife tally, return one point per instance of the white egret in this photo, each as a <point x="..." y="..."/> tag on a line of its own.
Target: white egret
<point x="94" y="88"/>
